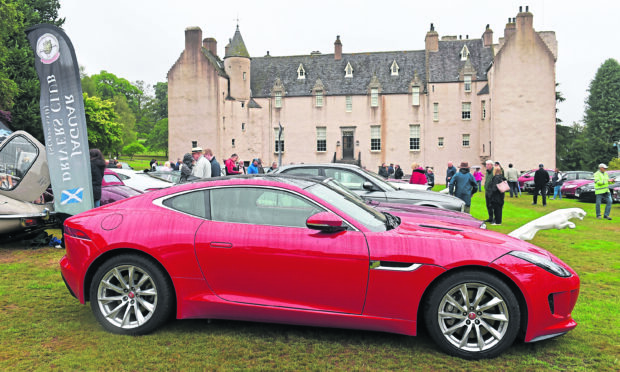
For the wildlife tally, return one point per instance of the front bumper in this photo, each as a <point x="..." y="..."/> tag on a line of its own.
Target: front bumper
<point x="549" y="299"/>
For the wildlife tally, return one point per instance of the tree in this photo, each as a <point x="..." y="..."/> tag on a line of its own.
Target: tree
<point x="614" y="163"/>
<point x="17" y="60"/>
<point x="133" y="148"/>
<point x="158" y="138"/>
<point x="602" y="116"/>
<point x="104" y="132"/>
<point x="570" y="146"/>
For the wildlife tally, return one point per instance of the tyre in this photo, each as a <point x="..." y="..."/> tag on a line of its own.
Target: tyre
<point x="131" y="295"/>
<point x="472" y="315"/>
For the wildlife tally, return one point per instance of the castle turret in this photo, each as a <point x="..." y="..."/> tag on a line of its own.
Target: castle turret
<point x="237" y="66"/>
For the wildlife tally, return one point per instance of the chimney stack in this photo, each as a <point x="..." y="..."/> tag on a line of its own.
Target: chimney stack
<point x="337" y="49"/>
<point x="487" y="37"/>
<point x="432" y="40"/>
<point x="193" y="38"/>
<point x="525" y="20"/>
<point x="227" y="47"/>
<point x="510" y="29"/>
<point x="210" y="44"/>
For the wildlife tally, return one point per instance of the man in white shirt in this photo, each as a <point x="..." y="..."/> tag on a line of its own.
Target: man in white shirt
<point x="202" y="168"/>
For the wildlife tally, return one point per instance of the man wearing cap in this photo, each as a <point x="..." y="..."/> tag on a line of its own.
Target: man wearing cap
<point x="601" y="190"/>
<point x="202" y="168"/>
<point x="541" y="179"/>
<point x="464" y="184"/>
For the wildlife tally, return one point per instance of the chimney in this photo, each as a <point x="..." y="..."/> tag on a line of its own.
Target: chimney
<point x="525" y="20"/>
<point x="210" y="44"/>
<point x="193" y="37"/>
<point x="487" y="37"/>
<point x="337" y="49"/>
<point x="432" y="40"/>
<point x="227" y="47"/>
<point x="510" y="29"/>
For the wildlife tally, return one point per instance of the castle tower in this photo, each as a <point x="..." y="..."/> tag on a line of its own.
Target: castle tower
<point x="237" y="66"/>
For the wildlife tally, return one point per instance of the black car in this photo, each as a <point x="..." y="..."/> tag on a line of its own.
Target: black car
<point x="586" y="192"/>
<point x="371" y="186"/>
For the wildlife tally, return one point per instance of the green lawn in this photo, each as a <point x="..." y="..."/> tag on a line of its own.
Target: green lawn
<point x="44" y="328"/>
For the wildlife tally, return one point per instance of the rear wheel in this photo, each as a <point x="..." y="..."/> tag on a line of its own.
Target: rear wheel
<point x="472" y="315"/>
<point x="131" y="295"/>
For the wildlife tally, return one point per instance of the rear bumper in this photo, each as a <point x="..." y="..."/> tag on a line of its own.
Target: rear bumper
<point x="549" y="299"/>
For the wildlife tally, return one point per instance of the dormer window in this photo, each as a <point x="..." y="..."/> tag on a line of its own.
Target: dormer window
<point x="464" y="53"/>
<point x="301" y="73"/>
<point x="394" y="68"/>
<point x="467" y="81"/>
<point x="348" y="71"/>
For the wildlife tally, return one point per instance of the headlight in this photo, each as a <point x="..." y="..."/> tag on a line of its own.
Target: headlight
<point x="543" y="263"/>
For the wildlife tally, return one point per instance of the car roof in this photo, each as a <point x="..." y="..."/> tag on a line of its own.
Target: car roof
<point x="328" y="165"/>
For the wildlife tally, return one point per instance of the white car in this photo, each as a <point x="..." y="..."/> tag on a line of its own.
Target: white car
<point x="140" y="180"/>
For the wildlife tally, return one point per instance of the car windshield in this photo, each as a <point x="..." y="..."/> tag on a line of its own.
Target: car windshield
<point x="372" y="219"/>
<point x="343" y="189"/>
<point x="377" y="179"/>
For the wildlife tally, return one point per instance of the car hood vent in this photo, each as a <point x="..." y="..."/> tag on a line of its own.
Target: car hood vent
<point x="440" y="228"/>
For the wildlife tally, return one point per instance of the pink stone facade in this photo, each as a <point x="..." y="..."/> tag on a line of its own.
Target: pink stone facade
<point x="214" y="101"/>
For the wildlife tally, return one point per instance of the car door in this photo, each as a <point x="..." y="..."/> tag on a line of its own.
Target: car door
<point x="256" y="249"/>
<point x="355" y="182"/>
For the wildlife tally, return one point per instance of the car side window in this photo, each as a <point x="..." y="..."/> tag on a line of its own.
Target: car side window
<point x="194" y="203"/>
<point x="351" y="180"/>
<point x="110" y="178"/>
<point x="306" y="171"/>
<point x="261" y="206"/>
<point x="16" y="158"/>
<point x="122" y="176"/>
<point x="571" y="176"/>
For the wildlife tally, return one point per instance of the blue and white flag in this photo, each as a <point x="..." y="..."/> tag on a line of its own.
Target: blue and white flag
<point x="63" y="119"/>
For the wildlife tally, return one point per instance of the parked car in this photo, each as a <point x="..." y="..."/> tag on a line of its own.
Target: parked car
<point x="114" y="189"/>
<point x="574" y="179"/>
<point x="25" y="206"/>
<point x="419" y="213"/>
<point x="296" y="251"/>
<point x="371" y="186"/>
<point x="586" y="192"/>
<point x="529" y="176"/>
<point x="405" y="185"/>
<point x="148" y="181"/>
<point x="615" y="193"/>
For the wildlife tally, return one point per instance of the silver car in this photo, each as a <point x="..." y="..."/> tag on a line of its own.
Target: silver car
<point x="372" y="187"/>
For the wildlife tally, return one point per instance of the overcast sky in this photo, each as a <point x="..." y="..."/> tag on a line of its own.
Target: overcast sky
<point x="141" y="39"/>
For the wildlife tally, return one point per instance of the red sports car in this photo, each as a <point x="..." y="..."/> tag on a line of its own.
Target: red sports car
<point x="289" y="250"/>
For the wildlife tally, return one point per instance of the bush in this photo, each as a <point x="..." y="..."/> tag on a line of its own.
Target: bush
<point x="133" y="148"/>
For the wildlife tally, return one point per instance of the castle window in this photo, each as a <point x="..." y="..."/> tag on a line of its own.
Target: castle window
<point x="394" y="68"/>
<point x="243" y="127"/>
<point x="435" y="111"/>
<point x="414" y="137"/>
<point x="233" y="142"/>
<point x="242" y="104"/>
<point x="278" y="145"/>
<point x="278" y="100"/>
<point x="348" y="71"/>
<point x="374" y="97"/>
<point x="244" y="76"/>
<point x="465" y="140"/>
<point x="415" y="96"/>
<point x="466" y="111"/>
<point x="464" y="53"/>
<point x="467" y="79"/>
<point x="319" y="98"/>
<point x="349" y="103"/>
<point x="484" y="110"/>
<point x="301" y="73"/>
<point x="440" y="141"/>
<point x="375" y="138"/>
<point x="321" y="139"/>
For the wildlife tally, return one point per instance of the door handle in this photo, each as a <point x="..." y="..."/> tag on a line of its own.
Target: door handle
<point x="220" y="245"/>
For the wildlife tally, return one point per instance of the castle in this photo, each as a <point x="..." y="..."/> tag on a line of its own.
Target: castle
<point x="459" y="99"/>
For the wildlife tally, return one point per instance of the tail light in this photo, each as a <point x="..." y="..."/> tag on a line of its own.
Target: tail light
<point x="28" y="222"/>
<point x="75" y="233"/>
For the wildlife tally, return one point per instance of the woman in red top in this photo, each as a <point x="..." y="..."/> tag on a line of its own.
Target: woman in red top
<point x="417" y="176"/>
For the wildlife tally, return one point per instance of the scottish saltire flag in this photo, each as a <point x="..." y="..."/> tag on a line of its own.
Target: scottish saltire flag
<point x="72" y="196"/>
<point x="63" y="119"/>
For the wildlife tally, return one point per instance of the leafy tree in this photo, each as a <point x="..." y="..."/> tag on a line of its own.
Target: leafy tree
<point x="161" y="100"/>
<point x="17" y="60"/>
<point x="158" y="138"/>
<point x="126" y="119"/>
<point x="570" y="146"/>
<point x="104" y="132"/>
<point x="559" y="98"/>
<point x="602" y="116"/>
<point x="614" y="163"/>
<point x="108" y="86"/>
<point x="133" y="148"/>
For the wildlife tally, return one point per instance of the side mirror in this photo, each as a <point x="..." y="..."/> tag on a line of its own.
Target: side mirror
<point x="368" y="186"/>
<point x="325" y="222"/>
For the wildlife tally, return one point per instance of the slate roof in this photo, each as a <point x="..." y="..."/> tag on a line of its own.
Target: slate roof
<point x="236" y="47"/>
<point x="444" y="67"/>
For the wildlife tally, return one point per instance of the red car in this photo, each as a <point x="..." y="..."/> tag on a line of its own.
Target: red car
<point x="529" y="176"/>
<point x="113" y="189"/>
<point x="296" y="251"/>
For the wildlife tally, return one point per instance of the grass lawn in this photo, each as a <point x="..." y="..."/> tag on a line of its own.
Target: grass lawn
<point x="44" y="328"/>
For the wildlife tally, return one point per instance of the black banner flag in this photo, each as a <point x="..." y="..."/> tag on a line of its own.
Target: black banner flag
<point x="63" y="119"/>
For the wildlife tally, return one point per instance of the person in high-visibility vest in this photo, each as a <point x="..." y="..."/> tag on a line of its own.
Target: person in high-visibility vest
<point x="601" y="190"/>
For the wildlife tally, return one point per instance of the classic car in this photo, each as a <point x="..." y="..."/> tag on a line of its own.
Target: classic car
<point x="370" y="186"/>
<point x="148" y="180"/>
<point x="529" y="176"/>
<point x="297" y="251"/>
<point x="586" y="192"/>
<point x="574" y="179"/>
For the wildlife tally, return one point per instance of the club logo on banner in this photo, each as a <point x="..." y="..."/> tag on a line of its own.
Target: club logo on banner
<point x="72" y="196"/>
<point x="48" y="49"/>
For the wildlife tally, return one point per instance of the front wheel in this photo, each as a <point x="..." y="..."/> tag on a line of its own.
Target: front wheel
<point x="472" y="315"/>
<point x="131" y="295"/>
